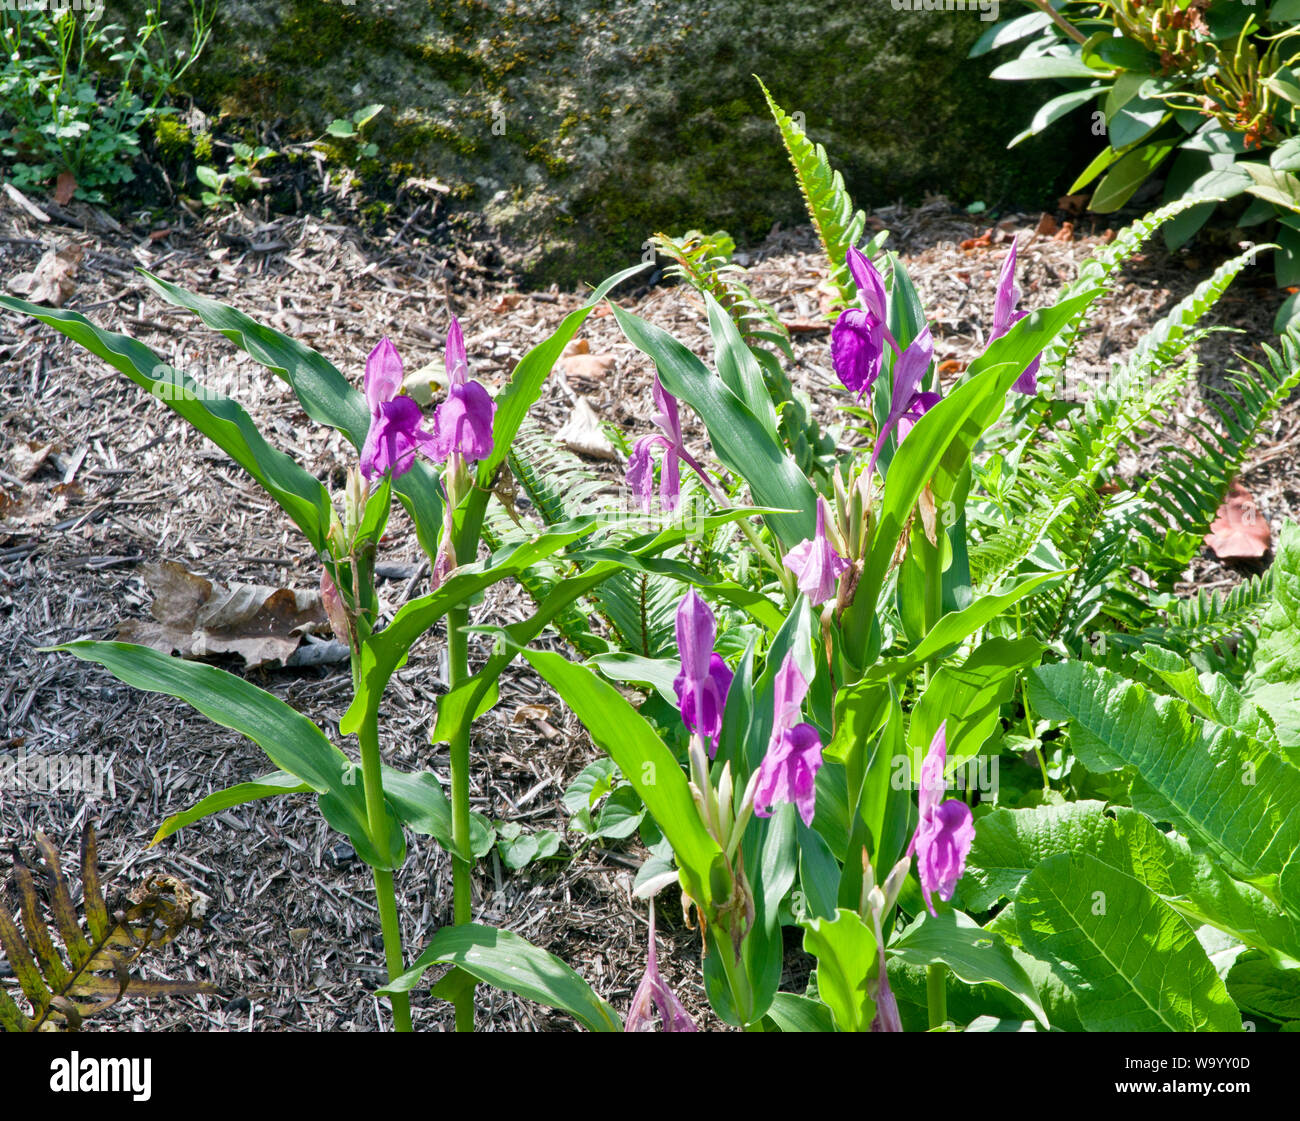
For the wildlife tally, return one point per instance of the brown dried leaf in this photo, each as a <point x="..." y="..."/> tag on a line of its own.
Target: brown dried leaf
<point x="1239" y="531"/>
<point x="588" y="369"/>
<point x="25" y="459"/>
<point x="198" y="618"/>
<point x="65" y="187"/>
<point x="583" y="434"/>
<point x="53" y="280"/>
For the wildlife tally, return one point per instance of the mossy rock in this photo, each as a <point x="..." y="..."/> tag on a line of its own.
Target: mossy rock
<point x="579" y="128"/>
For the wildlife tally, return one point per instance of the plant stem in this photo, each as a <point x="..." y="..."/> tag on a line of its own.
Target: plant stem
<point x="737" y="980"/>
<point x="458" y="661"/>
<point x="936" y="994"/>
<point x="377" y="823"/>
<point x="1060" y="21"/>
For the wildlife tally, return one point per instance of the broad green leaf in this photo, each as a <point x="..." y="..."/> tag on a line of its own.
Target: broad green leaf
<point x="793" y="1013"/>
<point x="1130" y="171"/>
<point x="970" y="698"/>
<point x="291" y="741"/>
<point x="1259" y="987"/>
<point x="1044" y="66"/>
<point x="1133" y="963"/>
<point x="324" y="393"/>
<point x="1009" y="844"/>
<point x="419" y="802"/>
<point x="975" y="956"/>
<point x="739" y="439"/>
<point x="1278" y="187"/>
<point x="1274" y="682"/>
<point x="845" y="949"/>
<point x="1231" y="794"/>
<point x="278" y="782"/>
<point x="1055" y="109"/>
<point x="658" y="673"/>
<point x="222" y="420"/>
<point x="1009" y="31"/>
<point x="623" y="733"/>
<point x="506" y="961"/>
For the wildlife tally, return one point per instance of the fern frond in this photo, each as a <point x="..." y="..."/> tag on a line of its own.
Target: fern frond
<point x="1207" y="618"/>
<point x="837" y="223"/>
<point x="703" y="261"/>
<point x="96" y="973"/>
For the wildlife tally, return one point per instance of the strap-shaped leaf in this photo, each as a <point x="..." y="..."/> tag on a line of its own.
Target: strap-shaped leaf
<point x="740" y="440"/>
<point x="324" y="393"/>
<point x="507" y="961"/>
<point x="219" y="418"/>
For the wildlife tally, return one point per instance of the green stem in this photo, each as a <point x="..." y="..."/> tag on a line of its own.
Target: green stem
<point x="458" y="658"/>
<point x="936" y="994"/>
<point x="737" y="979"/>
<point x="377" y="826"/>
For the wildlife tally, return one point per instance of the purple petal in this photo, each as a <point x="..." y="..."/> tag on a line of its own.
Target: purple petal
<point x="922" y="403"/>
<point x="653" y="992"/>
<point x="942" y="849"/>
<point x="457" y="363"/>
<point x="1004" y="305"/>
<point x="640" y="470"/>
<point x="932" y="782"/>
<point x="815" y="563"/>
<point x="394" y="438"/>
<point x="887" y="1017"/>
<point x="857" y="347"/>
<point x="463" y="423"/>
<point x="702" y="684"/>
<point x="667" y="418"/>
<point x="789" y="688"/>
<point x="788" y="772"/>
<point x="384" y="375"/>
<point x="909" y="370"/>
<point x="870" y="285"/>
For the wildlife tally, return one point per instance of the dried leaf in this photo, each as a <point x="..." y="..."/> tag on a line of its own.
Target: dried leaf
<point x="198" y="618"/>
<point x="25" y="459"/>
<point x="1239" y="530"/>
<point x="582" y="433"/>
<point x="62" y="991"/>
<point x="1046" y="226"/>
<point x="65" y="187"/>
<point x="588" y="369"/>
<point x="53" y="280"/>
<point x="929" y="515"/>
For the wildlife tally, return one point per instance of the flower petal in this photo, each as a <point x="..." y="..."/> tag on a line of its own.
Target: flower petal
<point x="384" y="374"/>
<point x="457" y="363"/>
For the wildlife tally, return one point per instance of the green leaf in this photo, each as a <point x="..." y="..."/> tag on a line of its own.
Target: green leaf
<point x="793" y="1013"/>
<point x="1274" y="682"/>
<point x="278" y="782"/>
<point x="1055" y="109"/>
<point x="222" y="420"/>
<point x="1129" y="173"/>
<point x="1284" y="11"/>
<point x="1232" y="795"/>
<point x="658" y="673"/>
<point x="845" y="949"/>
<point x="519" y="849"/>
<point x="511" y="963"/>
<point x="1100" y="162"/>
<point x="291" y="741"/>
<point x="1044" y="66"/>
<point x="418" y="801"/>
<point x="975" y="956"/>
<point x="623" y="733"/>
<point x="738" y="367"/>
<point x="1132" y="962"/>
<point x="324" y="393"/>
<point x="1010" y="31"/>
<point x="739" y="439"/>
<point x="1278" y="187"/>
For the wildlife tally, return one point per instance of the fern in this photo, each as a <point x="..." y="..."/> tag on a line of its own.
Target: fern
<point x="704" y="262"/>
<point x="837" y="223"/>
<point x="96" y="973"/>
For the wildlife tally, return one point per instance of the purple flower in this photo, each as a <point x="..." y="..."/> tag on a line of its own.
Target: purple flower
<point x="395" y="434"/>
<point x="653" y="992"/>
<point x="640" y="467"/>
<point x="946" y="831"/>
<point x="886" y="1018"/>
<point x="1005" y="317"/>
<point x="815" y="563"/>
<point x="702" y="684"/>
<point x="794" y="753"/>
<point x="462" y="424"/>
<point x="908" y="404"/>
<point x="859" y="335"/>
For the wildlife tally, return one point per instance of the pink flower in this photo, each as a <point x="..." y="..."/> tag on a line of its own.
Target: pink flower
<point x="907" y="404"/>
<point x="704" y="680"/>
<point x="395" y="434"/>
<point x="815" y="563"/>
<point x="462" y="424"/>
<point x="640" y="466"/>
<point x="859" y="335"/>
<point x="788" y="772"/>
<point x="1005" y="317"/>
<point x="653" y="992"/>
<point x="946" y="832"/>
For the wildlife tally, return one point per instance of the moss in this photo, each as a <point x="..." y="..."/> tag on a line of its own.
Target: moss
<point x="638" y="117"/>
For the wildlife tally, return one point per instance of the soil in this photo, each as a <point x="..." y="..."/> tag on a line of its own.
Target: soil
<point x="291" y="936"/>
